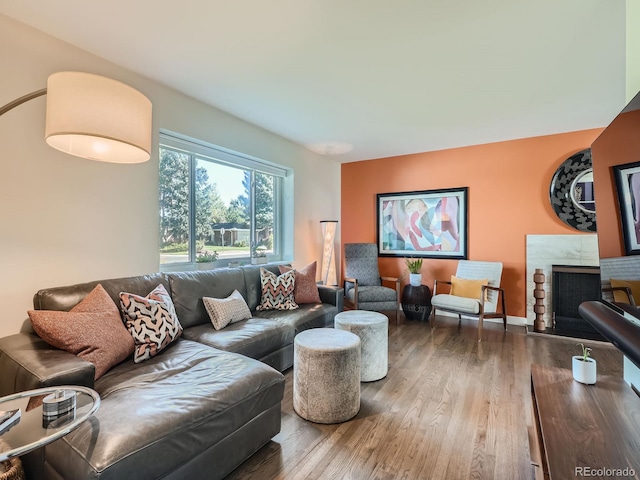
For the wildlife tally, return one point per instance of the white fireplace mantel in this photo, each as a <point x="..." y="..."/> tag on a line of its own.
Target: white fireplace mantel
<point x="543" y="251"/>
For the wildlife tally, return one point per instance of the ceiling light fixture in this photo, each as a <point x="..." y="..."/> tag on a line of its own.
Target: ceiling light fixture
<point x="94" y="117"/>
<point x="330" y="148"/>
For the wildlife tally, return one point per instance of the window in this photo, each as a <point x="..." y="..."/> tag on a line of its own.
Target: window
<point x="212" y="200"/>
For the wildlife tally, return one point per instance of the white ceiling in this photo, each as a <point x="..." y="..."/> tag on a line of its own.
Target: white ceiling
<point x="388" y="77"/>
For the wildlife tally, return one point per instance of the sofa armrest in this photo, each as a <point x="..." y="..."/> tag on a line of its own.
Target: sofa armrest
<point x="333" y="295"/>
<point x="28" y="362"/>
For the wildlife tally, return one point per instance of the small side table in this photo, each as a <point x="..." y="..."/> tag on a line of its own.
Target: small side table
<point x="29" y="433"/>
<point x="416" y="302"/>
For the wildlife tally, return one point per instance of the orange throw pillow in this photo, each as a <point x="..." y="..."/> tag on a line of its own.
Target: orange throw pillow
<point x="92" y="330"/>
<point x="620" y="296"/>
<point x="306" y="288"/>
<point x="462" y="287"/>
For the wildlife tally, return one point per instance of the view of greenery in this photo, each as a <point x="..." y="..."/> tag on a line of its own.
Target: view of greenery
<point x="210" y="208"/>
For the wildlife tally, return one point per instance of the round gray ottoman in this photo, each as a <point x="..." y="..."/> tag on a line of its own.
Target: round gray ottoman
<point x="326" y="375"/>
<point x="373" y="330"/>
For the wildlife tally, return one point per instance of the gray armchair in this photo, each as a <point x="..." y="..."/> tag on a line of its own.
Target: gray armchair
<point x="363" y="289"/>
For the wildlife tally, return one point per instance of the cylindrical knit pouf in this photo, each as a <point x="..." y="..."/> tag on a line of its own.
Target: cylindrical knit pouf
<point x="373" y="330"/>
<point x="326" y="375"/>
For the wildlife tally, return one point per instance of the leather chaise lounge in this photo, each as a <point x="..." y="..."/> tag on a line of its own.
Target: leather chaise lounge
<point x="197" y="410"/>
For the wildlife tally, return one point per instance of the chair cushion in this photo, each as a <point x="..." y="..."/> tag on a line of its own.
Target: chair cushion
<point x="361" y="263"/>
<point x="462" y="287"/>
<point x="461" y="304"/>
<point x="372" y="294"/>
<point x="633" y="285"/>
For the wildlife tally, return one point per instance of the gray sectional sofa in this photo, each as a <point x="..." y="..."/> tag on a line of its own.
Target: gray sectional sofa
<point x="196" y="410"/>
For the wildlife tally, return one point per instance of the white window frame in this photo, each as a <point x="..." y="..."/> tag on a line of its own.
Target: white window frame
<point x="216" y="154"/>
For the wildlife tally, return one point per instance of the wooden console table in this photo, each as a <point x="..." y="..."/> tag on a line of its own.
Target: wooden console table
<point x="580" y="429"/>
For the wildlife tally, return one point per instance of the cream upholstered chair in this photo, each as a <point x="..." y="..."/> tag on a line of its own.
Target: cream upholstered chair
<point x="363" y="289"/>
<point x="484" y="303"/>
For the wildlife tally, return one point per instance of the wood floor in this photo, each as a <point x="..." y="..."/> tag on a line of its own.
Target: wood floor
<point x="449" y="408"/>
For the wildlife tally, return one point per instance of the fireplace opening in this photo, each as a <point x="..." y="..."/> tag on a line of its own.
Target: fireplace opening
<point x="572" y="285"/>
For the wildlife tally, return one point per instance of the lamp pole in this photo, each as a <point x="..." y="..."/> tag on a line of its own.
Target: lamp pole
<point x="328" y="271"/>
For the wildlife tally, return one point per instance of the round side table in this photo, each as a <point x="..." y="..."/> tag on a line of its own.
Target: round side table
<point x="416" y="302"/>
<point x="30" y="432"/>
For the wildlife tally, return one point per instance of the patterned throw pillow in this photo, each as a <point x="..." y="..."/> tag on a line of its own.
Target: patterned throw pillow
<point x="306" y="289"/>
<point x="151" y="320"/>
<point x="92" y="330"/>
<point x="223" y="311"/>
<point x="277" y="291"/>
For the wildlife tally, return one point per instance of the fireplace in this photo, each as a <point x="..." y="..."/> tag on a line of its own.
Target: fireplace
<point x="572" y="285"/>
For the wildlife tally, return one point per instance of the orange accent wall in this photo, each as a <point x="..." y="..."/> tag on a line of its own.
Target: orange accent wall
<point x="508" y="199"/>
<point x="608" y="151"/>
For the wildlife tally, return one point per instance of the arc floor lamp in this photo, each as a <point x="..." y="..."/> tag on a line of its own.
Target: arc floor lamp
<point x="94" y="117"/>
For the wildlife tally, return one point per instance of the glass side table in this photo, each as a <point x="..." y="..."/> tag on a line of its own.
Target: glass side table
<point x="29" y="433"/>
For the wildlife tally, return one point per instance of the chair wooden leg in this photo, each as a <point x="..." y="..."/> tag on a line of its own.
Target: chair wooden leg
<point x="480" y="318"/>
<point x="504" y="320"/>
<point x="397" y="316"/>
<point x="433" y="318"/>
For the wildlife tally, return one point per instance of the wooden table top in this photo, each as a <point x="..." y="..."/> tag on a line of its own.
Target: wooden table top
<point x="587" y="427"/>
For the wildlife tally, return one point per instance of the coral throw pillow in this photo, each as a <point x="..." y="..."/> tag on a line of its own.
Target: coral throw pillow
<point x="151" y="320"/>
<point x="223" y="311"/>
<point x="306" y="289"/>
<point x="92" y="330"/>
<point x="277" y="291"/>
<point x="462" y="287"/>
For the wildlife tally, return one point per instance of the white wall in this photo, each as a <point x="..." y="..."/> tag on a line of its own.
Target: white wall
<point x="66" y="220"/>
<point x="633" y="48"/>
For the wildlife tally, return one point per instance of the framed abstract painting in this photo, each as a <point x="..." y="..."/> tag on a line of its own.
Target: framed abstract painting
<point x="428" y="223"/>
<point x="628" y="186"/>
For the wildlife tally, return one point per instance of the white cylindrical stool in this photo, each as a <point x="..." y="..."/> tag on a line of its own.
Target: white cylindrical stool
<point x="326" y="375"/>
<point x="373" y="330"/>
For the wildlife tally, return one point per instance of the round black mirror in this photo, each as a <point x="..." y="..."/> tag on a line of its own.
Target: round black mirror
<point x="571" y="192"/>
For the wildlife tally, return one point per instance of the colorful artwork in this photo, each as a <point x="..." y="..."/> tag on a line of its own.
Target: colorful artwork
<point x="431" y="223"/>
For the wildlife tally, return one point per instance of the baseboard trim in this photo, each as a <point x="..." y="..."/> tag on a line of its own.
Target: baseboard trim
<point x="511" y="319"/>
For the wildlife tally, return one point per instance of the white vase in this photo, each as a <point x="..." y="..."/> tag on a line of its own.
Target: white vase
<point x="584" y="372"/>
<point x="206" y="265"/>
<point x="415" y="279"/>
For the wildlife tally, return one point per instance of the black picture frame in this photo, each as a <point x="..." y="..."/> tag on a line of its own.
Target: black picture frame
<point x="627" y="178"/>
<point x="427" y="223"/>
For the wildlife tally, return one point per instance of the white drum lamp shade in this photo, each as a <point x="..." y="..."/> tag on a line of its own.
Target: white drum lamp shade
<point x="328" y="271"/>
<point x="97" y="118"/>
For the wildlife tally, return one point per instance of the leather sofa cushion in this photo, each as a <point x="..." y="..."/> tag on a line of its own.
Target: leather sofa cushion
<point x="65" y="298"/>
<point x="157" y="415"/>
<point x="255" y="337"/>
<point x="307" y="316"/>
<point x="188" y="288"/>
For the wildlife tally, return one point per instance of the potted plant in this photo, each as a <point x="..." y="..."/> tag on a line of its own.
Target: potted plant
<point x="414" y="265"/>
<point x="206" y="259"/>
<point x="259" y="256"/>
<point x="584" y="367"/>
